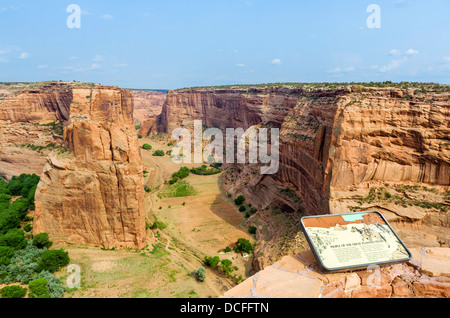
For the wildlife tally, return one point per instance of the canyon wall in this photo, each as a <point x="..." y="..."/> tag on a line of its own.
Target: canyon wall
<point x="147" y="107"/>
<point x="333" y="141"/>
<point x="94" y="193"/>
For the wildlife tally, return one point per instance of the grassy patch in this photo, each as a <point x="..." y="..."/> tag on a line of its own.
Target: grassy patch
<point x="180" y="189"/>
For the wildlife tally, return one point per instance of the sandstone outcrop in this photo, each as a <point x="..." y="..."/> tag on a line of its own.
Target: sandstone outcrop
<point x="93" y="193"/>
<point x="427" y="275"/>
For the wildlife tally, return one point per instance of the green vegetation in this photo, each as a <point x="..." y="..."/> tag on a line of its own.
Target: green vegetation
<point x="56" y="127"/>
<point x="203" y="171"/>
<point x="242" y="208"/>
<point x="243" y="246"/>
<point x="24" y="259"/>
<point x="200" y="274"/>
<point x="13" y="292"/>
<point x="42" y="241"/>
<point x="382" y="194"/>
<point x="239" y="200"/>
<point x="180" y="189"/>
<point x="252" y="229"/>
<point x="255" y="88"/>
<point x="39" y="288"/>
<point x="147" y="147"/>
<point x="158" y="225"/>
<point x="159" y="153"/>
<point x="53" y="260"/>
<point x="291" y="194"/>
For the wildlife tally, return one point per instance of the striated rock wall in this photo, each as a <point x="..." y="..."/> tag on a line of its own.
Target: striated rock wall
<point x="333" y="141"/>
<point x="147" y="107"/>
<point x="94" y="194"/>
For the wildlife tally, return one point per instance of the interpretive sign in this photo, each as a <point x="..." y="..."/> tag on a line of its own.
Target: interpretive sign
<point x="343" y="242"/>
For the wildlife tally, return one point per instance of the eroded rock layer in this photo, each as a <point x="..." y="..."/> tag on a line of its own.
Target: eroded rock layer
<point x="333" y="141"/>
<point x="94" y="193"/>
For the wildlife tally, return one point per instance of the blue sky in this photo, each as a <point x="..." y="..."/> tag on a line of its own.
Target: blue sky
<point x="173" y="44"/>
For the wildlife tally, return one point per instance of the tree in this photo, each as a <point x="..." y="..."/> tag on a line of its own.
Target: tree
<point x="242" y="208"/>
<point x="212" y="262"/>
<point x="239" y="200"/>
<point x="6" y="253"/>
<point x="243" y="246"/>
<point x="252" y="229"/>
<point x="42" y="241"/>
<point x="200" y="274"/>
<point x="225" y="265"/>
<point x="147" y="147"/>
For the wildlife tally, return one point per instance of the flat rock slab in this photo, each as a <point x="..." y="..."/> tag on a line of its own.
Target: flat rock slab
<point x="433" y="261"/>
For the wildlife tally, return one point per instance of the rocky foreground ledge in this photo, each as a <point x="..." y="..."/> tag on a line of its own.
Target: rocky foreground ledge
<point x="427" y="275"/>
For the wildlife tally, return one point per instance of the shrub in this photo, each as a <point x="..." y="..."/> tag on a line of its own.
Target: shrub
<point x="212" y="262"/>
<point x="42" y="241"/>
<point x="227" y="249"/>
<point x="159" y="153"/>
<point x="14" y="238"/>
<point x="253" y="210"/>
<point x="28" y="228"/>
<point x="225" y="265"/>
<point x="147" y="189"/>
<point x="147" y="147"/>
<point x="182" y="173"/>
<point x="200" y="274"/>
<point x="158" y="225"/>
<point x="242" y="208"/>
<point x="243" y="246"/>
<point x="13" y="292"/>
<point x="239" y="200"/>
<point x="6" y="253"/>
<point x="53" y="260"/>
<point x="252" y="229"/>
<point x="39" y="289"/>
<point x="203" y="171"/>
<point x="54" y="284"/>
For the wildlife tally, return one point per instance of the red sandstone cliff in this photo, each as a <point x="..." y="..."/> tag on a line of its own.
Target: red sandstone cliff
<point x="94" y="194"/>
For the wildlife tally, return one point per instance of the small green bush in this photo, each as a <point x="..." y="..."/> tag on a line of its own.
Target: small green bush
<point x="242" y="208"/>
<point x="159" y="153"/>
<point x="13" y="292"/>
<point x="42" y="241"/>
<point x="252" y="229"/>
<point x="6" y="253"/>
<point x="200" y="274"/>
<point x="53" y="260"/>
<point x="147" y="147"/>
<point x="39" y="288"/>
<point x="239" y="200"/>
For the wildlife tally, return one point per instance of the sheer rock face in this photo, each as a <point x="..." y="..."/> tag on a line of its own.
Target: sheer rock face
<point x="22" y="116"/>
<point x="334" y="142"/>
<point x="147" y="107"/>
<point x="95" y="194"/>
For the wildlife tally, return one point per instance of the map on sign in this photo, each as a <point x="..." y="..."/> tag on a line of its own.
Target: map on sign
<point x="353" y="241"/>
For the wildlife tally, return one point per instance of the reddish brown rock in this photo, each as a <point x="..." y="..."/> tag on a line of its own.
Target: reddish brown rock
<point x="94" y="194"/>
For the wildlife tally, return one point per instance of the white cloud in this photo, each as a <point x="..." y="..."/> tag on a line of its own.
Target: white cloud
<point x="394" y="52"/>
<point x="42" y="66"/>
<point x="106" y="16"/>
<point x="412" y="52"/>
<point x="447" y="58"/>
<point x="24" y="55"/>
<point x="392" y="66"/>
<point x="240" y="65"/>
<point x="120" y="65"/>
<point x="276" y="62"/>
<point x="341" y="70"/>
